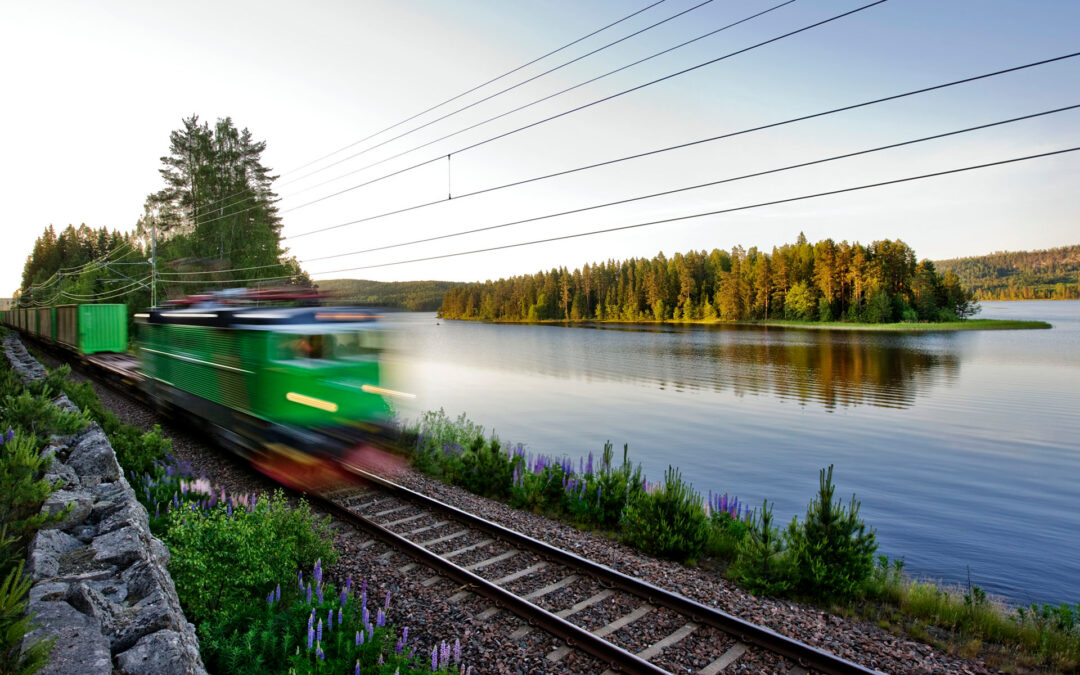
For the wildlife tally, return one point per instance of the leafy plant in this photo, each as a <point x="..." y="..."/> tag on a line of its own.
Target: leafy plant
<point x="15" y="623"/>
<point x="761" y="565"/>
<point x="22" y="494"/>
<point x="668" y="522"/>
<point x="832" y="550"/>
<point x="222" y="556"/>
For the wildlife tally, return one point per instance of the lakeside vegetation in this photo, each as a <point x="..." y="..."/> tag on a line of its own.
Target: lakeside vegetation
<point x="826" y="281"/>
<point x="414" y="296"/>
<point x="1050" y="274"/>
<point x="941" y="326"/>
<point x="827" y="558"/>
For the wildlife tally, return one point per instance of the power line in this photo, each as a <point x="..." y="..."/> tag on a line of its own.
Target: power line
<point x="687" y="145"/>
<point x="706" y="213"/>
<point x="564" y="113"/>
<point x="522" y="83"/>
<point x="464" y="93"/>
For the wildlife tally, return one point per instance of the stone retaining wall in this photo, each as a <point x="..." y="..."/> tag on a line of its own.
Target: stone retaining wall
<point x="101" y="587"/>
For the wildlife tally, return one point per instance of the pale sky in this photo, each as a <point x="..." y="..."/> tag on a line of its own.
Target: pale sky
<point x="92" y="90"/>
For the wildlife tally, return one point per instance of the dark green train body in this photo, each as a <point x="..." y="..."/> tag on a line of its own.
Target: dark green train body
<point x="291" y="380"/>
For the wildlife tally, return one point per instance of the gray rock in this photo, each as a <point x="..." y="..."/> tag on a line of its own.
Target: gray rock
<point x="81" y="506"/>
<point x="64" y="403"/>
<point x="128" y="513"/>
<point x="165" y="651"/>
<point x="46" y="549"/>
<point x="80" y="647"/>
<point x="90" y="602"/>
<point x="93" y="458"/>
<point x="153" y="613"/>
<point x="120" y="547"/>
<point x="48" y="590"/>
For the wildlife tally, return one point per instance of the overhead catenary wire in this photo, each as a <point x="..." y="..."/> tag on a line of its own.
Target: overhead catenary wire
<point x="571" y="110"/>
<point x="71" y="271"/>
<point x="680" y="146"/>
<point x="464" y="93"/>
<point x="704" y="214"/>
<point x="576" y="109"/>
<point x="699" y="186"/>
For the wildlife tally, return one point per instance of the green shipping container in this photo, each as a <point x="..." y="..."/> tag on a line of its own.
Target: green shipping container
<point x="102" y="328"/>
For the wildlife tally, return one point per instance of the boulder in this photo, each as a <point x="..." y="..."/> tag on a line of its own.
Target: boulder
<point x="46" y="549"/>
<point x="80" y="647"/>
<point x="120" y="547"/>
<point x="93" y="458"/>
<point x="165" y="651"/>
<point x="81" y="506"/>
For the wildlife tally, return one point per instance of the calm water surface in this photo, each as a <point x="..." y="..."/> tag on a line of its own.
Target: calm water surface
<point x="964" y="448"/>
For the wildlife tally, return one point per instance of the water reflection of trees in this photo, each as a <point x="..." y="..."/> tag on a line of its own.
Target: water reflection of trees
<point x="831" y="369"/>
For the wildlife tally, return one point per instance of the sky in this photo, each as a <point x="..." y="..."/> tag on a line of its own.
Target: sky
<point x="92" y="91"/>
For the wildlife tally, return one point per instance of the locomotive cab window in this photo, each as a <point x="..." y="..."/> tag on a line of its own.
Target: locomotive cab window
<point x="359" y="344"/>
<point x="294" y="347"/>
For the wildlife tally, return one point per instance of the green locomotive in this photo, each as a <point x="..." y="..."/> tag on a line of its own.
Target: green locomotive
<point x="282" y="385"/>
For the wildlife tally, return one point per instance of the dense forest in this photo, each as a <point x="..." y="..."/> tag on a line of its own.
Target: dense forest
<point x="415" y="296"/>
<point x="826" y="281"/>
<point x="1052" y="274"/>
<point x="214" y="223"/>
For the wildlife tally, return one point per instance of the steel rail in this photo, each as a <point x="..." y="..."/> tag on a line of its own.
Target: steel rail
<point x="574" y="636"/>
<point x="803" y="654"/>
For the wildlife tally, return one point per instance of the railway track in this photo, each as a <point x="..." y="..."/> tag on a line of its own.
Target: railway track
<point x="542" y="584"/>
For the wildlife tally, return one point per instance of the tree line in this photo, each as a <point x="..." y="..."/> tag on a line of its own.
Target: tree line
<point x="415" y="296"/>
<point x="1050" y="274"/>
<point x="826" y="281"/>
<point x="215" y="223"/>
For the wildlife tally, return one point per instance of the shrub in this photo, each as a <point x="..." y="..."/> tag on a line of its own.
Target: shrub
<point x="222" y="556"/>
<point x="832" y="550"/>
<point x="668" y="522"/>
<point x="16" y="659"/>
<point x="761" y="565"/>
<point x="22" y="492"/>
<point x="313" y="628"/>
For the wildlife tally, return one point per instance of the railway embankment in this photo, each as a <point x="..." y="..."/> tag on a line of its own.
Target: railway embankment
<point x="101" y="589"/>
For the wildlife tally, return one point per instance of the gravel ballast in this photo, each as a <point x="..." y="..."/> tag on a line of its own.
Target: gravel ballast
<point x="485" y="635"/>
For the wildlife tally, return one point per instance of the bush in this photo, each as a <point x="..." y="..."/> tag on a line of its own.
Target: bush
<point x="22" y="492"/>
<point x="832" y="550"/>
<point x="761" y="565"/>
<point x="308" y="629"/>
<point x="223" y="556"/>
<point x="668" y="522"/>
<point x="14" y="624"/>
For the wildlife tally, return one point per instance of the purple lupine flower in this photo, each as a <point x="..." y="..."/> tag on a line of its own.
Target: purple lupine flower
<point x="318" y="572"/>
<point x="309" y="594"/>
<point x="228" y="510"/>
<point x="468" y="671"/>
<point x="348" y="584"/>
<point x="330" y="620"/>
<point x="364" y="616"/>
<point x="310" y="637"/>
<point x="270" y="599"/>
<point x="398" y="647"/>
<point x="175" y="499"/>
<point x="318" y="591"/>
<point x="405" y="634"/>
<point x="444" y="655"/>
<point x="434" y="659"/>
<point x="318" y="631"/>
<point x="457" y="652"/>
<point x="320" y="653"/>
<point x="340" y="619"/>
<point x="380" y="619"/>
<point x="157" y="510"/>
<point x="342" y="598"/>
<point x="380" y="659"/>
<point x="359" y="638"/>
<point x="300" y="579"/>
<point x="10" y="435"/>
<point x="386" y="605"/>
<point x="370" y="631"/>
<point x="357" y="671"/>
<point x="277" y="593"/>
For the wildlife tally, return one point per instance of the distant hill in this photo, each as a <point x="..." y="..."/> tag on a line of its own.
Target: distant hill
<point x="416" y="296"/>
<point x="1019" y="275"/>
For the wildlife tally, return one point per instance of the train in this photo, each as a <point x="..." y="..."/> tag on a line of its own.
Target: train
<point x="296" y="390"/>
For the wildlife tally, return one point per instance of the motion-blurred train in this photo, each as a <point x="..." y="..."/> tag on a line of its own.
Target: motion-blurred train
<point x="295" y="389"/>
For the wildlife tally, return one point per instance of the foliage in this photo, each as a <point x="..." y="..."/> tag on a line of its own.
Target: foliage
<point x="136" y="451"/>
<point x="221" y="556"/>
<point x="415" y="296"/>
<point x="832" y="551"/>
<point x="16" y="623"/>
<point x="314" y="628"/>
<point x="881" y="282"/>
<point x="35" y="415"/>
<point x="1019" y="275"/>
<point x="667" y="522"/>
<point x="761" y="565"/>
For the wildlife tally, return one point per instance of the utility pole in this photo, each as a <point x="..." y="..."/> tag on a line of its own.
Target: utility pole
<point x="153" y="262"/>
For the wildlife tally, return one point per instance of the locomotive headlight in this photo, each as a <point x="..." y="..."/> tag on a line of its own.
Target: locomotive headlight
<point x="328" y="406"/>
<point x="371" y="389"/>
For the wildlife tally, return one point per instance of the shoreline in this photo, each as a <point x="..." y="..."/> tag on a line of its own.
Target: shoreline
<point x="899" y="327"/>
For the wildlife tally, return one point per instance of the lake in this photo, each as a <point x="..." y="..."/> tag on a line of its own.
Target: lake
<point x="964" y="448"/>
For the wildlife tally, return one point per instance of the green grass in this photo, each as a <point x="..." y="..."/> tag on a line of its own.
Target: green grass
<point x="902" y="327"/>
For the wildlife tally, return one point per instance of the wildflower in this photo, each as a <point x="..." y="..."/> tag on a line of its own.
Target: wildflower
<point x="309" y="594"/>
<point x="300" y="579"/>
<point x="10" y="435"/>
<point x="398" y="646"/>
<point x="364" y="616"/>
<point x="434" y="659"/>
<point x="277" y="593"/>
<point x="330" y="620"/>
<point x="457" y="651"/>
<point x="357" y="670"/>
<point x="310" y="637"/>
<point x="386" y="605"/>
<point x="318" y="572"/>
<point x="318" y="591"/>
<point x="359" y="638"/>
<point x="405" y="634"/>
<point x="320" y="653"/>
<point x="444" y="655"/>
<point x="342" y="597"/>
<point x="348" y="584"/>
<point x="340" y="615"/>
<point x="270" y="598"/>
<point x="380" y="619"/>
<point x="318" y="631"/>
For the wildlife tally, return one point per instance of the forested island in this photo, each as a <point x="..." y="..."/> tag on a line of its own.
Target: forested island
<point x="826" y="281"/>
<point x="1050" y="274"/>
